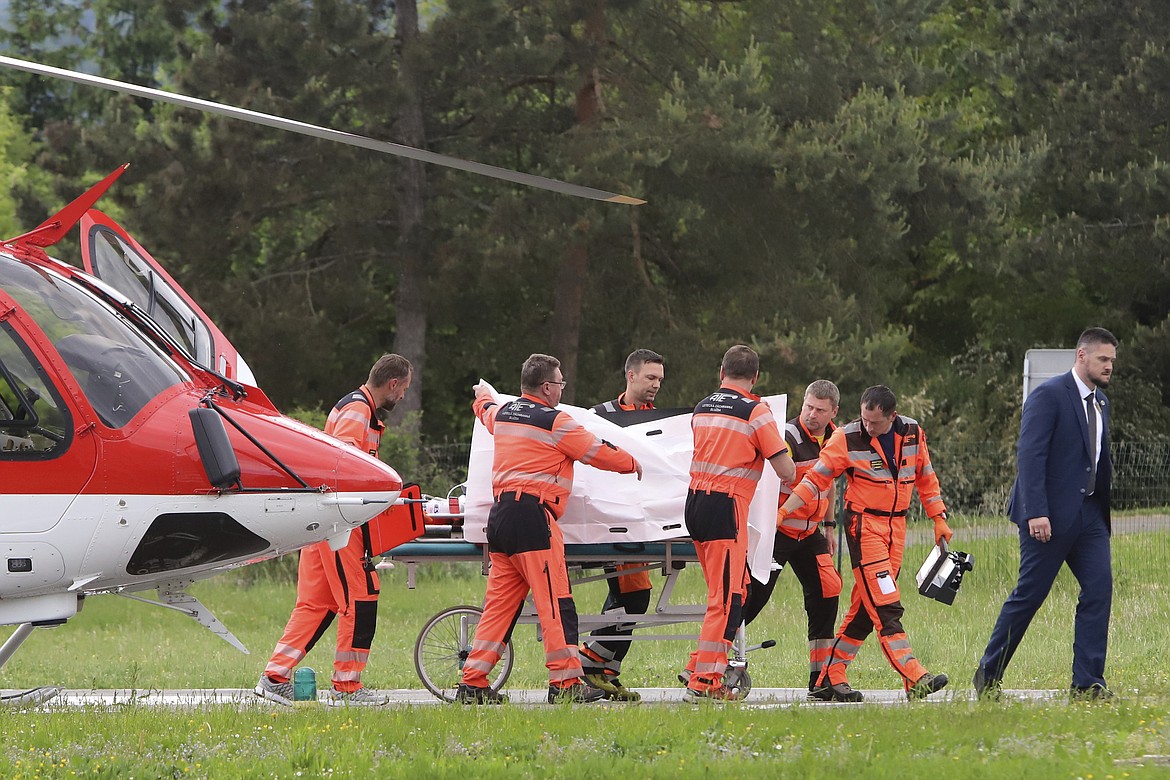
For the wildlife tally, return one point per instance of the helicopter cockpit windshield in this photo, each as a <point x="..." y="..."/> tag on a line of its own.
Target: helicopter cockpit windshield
<point x="118" y="369"/>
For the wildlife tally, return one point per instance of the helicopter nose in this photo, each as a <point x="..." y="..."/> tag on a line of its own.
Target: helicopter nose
<point x="365" y="487"/>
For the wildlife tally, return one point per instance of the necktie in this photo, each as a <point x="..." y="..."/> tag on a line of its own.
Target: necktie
<point x="1092" y="417"/>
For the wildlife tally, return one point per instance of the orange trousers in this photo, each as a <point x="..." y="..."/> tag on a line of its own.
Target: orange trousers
<point x="527" y="553"/>
<point x="717" y="523"/>
<point x="876" y="544"/>
<point x="331" y="584"/>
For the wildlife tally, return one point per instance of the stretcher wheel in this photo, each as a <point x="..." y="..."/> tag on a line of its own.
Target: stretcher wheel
<point x="737" y="678"/>
<point x="443" y="646"/>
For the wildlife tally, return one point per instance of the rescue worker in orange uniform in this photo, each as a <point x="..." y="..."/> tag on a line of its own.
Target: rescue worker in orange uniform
<point x="341" y="584"/>
<point x="734" y="433"/>
<point x="799" y="542"/>
<point x="602" y="659"/>
<point x="532" y="477"/>
<point x="884" y="457"/>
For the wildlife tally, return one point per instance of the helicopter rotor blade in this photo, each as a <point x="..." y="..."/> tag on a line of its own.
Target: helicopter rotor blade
<point x="304" y="128"/>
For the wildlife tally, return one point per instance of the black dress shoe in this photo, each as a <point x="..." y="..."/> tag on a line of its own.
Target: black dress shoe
<point x="987" y="687"/>
<point x="1094" y="692"/>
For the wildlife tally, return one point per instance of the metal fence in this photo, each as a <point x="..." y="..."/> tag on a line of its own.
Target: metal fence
<point x="979" y="481"/>
<point x="975" y="480"/>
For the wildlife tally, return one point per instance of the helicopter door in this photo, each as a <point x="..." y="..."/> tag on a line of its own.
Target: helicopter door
<point x="109" y="253"/>
<point x="46" y="455"/>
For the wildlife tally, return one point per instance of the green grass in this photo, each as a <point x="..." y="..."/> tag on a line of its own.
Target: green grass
<point x="954" y="740"/>
<point x="119" y="643"/>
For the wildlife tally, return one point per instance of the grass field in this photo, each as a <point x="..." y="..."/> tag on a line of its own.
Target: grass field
<point x="117" y="643"/>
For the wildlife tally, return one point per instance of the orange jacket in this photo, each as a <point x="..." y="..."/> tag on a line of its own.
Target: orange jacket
<point x="803" y="520"/>
<point x="734" y="433"/>
<point x="354" y="420"/>
<point x="535" y="448"/>
<point x="872" y="487"/>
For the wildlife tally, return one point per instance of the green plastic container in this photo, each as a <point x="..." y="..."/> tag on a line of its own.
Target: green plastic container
<point x="304" y="684"/>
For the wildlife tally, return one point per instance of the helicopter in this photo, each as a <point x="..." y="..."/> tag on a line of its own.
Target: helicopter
<point x="136" y="451"/>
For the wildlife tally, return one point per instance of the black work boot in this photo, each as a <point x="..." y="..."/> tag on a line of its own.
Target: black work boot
<point x="577" y="693"/>
<point x="835" y="692"/>
<point x="926" y="685"/>
<point x="469" y="694"/>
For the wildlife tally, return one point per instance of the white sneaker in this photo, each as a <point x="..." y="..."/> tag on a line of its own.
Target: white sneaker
<point x="362" y="697"/>
<point x="281" y="693"/>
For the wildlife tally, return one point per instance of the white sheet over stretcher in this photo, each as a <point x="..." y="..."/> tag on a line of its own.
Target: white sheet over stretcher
<point x="605" y="507"/>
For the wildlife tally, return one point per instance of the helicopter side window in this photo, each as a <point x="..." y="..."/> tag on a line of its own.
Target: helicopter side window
<point x="33" y="423"/>
<point x="120" y="266"/>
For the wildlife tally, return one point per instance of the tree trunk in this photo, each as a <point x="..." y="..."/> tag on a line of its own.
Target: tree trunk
<point x="410" y="305"/>
<point x="569" y="302"/>
<point x="569" y="299"/>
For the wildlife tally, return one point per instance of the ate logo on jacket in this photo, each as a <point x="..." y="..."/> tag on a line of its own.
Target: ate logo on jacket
<point x="524" y="412"/>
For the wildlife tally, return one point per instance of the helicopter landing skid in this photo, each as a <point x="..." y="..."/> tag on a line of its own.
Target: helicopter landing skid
<point x="30" y="698"/>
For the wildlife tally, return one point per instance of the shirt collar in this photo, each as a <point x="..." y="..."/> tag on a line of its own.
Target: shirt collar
<point x="745" y="393"/>
<point x="375" y="420"/>
<point x="1082" y="388"/>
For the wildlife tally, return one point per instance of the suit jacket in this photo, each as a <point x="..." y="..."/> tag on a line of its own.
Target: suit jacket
<point x="1054" y="455"/>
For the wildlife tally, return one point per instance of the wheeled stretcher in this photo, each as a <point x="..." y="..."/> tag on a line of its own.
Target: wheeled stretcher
<point x="444" y="642"/>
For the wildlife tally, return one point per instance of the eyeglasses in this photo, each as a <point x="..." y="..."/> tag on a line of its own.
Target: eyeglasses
<point x="551" y="382"/>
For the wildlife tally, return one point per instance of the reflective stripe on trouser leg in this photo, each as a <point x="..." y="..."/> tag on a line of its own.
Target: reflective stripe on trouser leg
<point x="606" y="655"/>
<point x="855" y="627"/>
<point x="314" y="611"/>
<point x="879" y="555"/>
<point x="555" y="609"/>
<point x="506" y="589"/>
<point x="509" y="581"/>
<point x="357" y="618"/>
<point x="355" y="634"/>
<point x="598" y="658"/>
<point x="818" y="655"/>
<point x="821" y="584"/>
<point x="724" y="564"/>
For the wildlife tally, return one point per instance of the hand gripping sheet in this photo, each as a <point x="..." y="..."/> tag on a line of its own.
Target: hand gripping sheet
<point x="605" y="507"/>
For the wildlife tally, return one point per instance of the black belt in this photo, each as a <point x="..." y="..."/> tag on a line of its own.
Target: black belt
<point x="878" y="512"/>
<point x="520" y="496"/>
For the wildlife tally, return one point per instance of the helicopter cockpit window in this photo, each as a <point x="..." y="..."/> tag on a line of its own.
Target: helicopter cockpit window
<point x="119" y="265"/>
<point x="33" y="421"/>
<point x="118" y="369"/>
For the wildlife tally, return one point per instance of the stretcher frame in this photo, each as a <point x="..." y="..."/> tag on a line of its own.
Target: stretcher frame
<point x="445" y="640"/>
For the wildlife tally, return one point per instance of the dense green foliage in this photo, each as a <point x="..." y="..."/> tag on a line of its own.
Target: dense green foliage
<point x="909" y="192"/>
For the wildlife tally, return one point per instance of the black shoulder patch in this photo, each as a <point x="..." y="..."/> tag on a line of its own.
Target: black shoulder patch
<point x="727" y="402"/>
<point x="355" y="397"/>
<point x="525" y="412"/>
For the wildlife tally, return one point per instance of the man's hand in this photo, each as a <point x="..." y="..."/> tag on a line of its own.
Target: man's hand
<point x="942" y="530"/>
<point x="482" y="389"/>
<point x="1040" y="529"/>
<point x="831" y="538"/>
<point x="638" y="469"/>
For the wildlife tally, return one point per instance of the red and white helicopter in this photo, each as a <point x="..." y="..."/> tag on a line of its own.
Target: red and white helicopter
<point x="136" y="452"/>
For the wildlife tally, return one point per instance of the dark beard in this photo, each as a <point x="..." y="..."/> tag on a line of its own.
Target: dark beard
<point x="384" y="410"/>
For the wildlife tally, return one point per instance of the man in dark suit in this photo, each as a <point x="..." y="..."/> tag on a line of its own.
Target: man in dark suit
<point x="1060" y="501"/>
